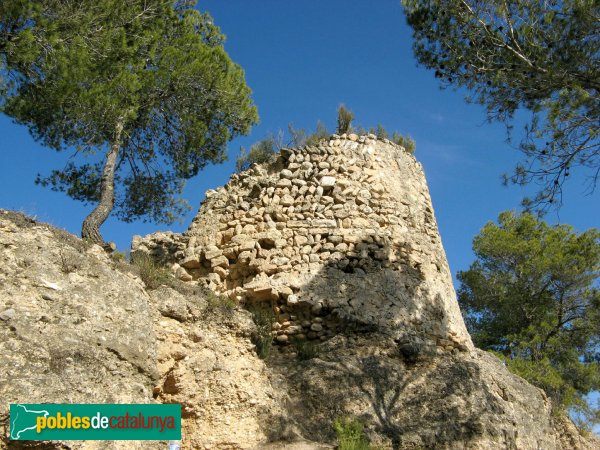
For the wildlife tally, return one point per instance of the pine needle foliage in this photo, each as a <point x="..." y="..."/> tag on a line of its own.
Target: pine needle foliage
<point x="144" y="89"/>
<point x="532" y="297"/>
<point x="536" y="55"/>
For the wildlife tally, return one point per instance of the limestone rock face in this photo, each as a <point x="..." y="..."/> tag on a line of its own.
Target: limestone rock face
<point x="75" y="327"/>
<point x="451" y="401"/>
<point x="208" y="365"/>
<point x="79" y="331"/>
<point x="340" y="242"/>
<point x="343" y="231"/>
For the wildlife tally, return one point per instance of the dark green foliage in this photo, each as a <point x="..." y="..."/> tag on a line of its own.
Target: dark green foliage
<point x="152" y="274"/>
<point x="263" y="319"/>
<point x="79" y="182"/>
<point x="149" y="79"/>
<point x="539" y="55"/>
<point x="260" y="152"/>
<point x="407" y="142"/>
<point x="344" y="120"/>
<point x="532" y="297"/>
<point x="152" y="196"/>
<point x="350" y="434"/>
<point x="305" y="350"/>
<point x="379" y="131"/>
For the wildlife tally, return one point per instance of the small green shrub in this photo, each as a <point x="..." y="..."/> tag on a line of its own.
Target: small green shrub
<point x="68" y="262"/>
<point x="263" y="339"/>
<point x="350" y="434"/>
<point x="299" y="136"/>
<point x="344" y="120"/>
<point x="359" y="130"/>
<point x="119" y="256"/>
<point x="320" y="134"/>
<point x="305" y="350"/>
<point x="407" y="142"/>
<point x="152" y="274"/>
<point x="379" y="131"/>
<point x="260" y="152"/>
<point x="216" y="301"/>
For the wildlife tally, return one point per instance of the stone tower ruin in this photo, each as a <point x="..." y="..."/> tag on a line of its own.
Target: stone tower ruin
<point x="334" y="237"/>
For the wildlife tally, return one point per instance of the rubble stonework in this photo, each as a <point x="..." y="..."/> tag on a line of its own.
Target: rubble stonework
<point x="336" y="235"/>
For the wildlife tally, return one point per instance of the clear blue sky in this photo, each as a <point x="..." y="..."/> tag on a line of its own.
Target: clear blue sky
<point x="302" y="59"/>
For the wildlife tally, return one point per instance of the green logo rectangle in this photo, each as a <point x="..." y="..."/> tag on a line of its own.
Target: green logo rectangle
<point x="101" y="422"/>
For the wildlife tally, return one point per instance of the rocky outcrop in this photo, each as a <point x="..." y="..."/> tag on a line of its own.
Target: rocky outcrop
<point x="208" y="365"/>
<point x="72" y="328"/>
<point x="78" y="327"/>
<point x="339" y="242"/>
<point x="451" y="401"/>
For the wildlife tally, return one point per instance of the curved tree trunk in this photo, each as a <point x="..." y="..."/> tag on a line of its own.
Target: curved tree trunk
<point x="90" y="229"/>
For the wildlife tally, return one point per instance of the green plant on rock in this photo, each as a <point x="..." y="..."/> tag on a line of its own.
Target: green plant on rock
<point x="299" y="137"/>
<point x="379" y="131"/>
<point x="350" y="434"/>
<point x="260" y="152"/>
<point x="404" y="141"/>
<point x="305" y="350"/>
<point x="152" y="274"/>
<point x="344" y="120"/>
<point x="263" y="317"/>
<point x="119" y="256"/>
<point x="216" y="301"/>
<point x="319" y="134"/>
<point x="68" y="262"/>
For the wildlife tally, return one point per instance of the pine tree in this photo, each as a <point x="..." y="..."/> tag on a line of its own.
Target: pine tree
<point x="532" y="296"/>
<point x="538" y="55"/>
<point x="144" y="88"/>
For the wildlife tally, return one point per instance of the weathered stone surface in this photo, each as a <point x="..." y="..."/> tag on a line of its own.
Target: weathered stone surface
<point x="219" y="261"/>
<point x="328" y="182"/>
<point x="208" y="365"/>
<point x="7" y="314"/>
<point x="460" y="401"/>
<point x="92" y="343"/>
<point x="83" y="331"/>
<point x="213" y="253"/>
<point x="103" y="339"/>
<point x="190" y="262"/>
<point x="316" y="327"/>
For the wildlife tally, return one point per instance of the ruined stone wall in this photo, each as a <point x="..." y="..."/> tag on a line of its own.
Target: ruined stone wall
<point x="335" y="237"/>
